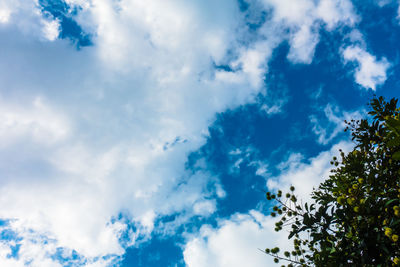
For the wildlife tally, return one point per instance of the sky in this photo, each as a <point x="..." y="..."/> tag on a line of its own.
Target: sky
<point x="144" y="133"/>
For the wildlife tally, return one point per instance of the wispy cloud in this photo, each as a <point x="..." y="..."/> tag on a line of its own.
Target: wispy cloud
<point x="334" y="122"/>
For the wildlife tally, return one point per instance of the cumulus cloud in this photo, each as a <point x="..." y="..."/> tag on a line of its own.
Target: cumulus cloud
<point x="306" y="174"/>
<point x="235" y="242"/>
<point x="92" y="134"/>
<point x="370" y="72"/>
<point x="304" y="19"/>
<point x="129" y="111"/>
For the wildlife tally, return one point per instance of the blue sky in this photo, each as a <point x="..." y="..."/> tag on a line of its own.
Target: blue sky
<point x="144" y="133"/>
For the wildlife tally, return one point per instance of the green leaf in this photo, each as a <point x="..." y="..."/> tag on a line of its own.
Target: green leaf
<point x="394" y="124"/>
<point x="292" y="233"/>
<point x="390" y="202"/>
<point x="306" y="219"/>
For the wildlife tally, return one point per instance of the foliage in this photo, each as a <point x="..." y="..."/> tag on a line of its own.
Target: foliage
<point x="354" y="219"/>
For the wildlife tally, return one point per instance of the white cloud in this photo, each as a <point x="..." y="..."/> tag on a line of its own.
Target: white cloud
<point x="5" y="13"/>
<point x="326" y="131"/>
<point x="235" y="242"/>
<point x="303" y="18"/>
<point x="253" y="63"/>
<point x="294" y="12"/>
<point x="356" y="37"/>
<point x="204" y="208"/>
<point x="29" y="251"/>
<point x="334" y="13"/>
<point x="51" y="29"/>
<point x="305" y="175"/>
<point x="38" y="122"/>
<point x="25" y="16"/>
<point x="370" y="72"/>
<point x="303" y="45"/>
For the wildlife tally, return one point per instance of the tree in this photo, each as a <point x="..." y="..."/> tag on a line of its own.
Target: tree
<point x="354" y="217"/>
